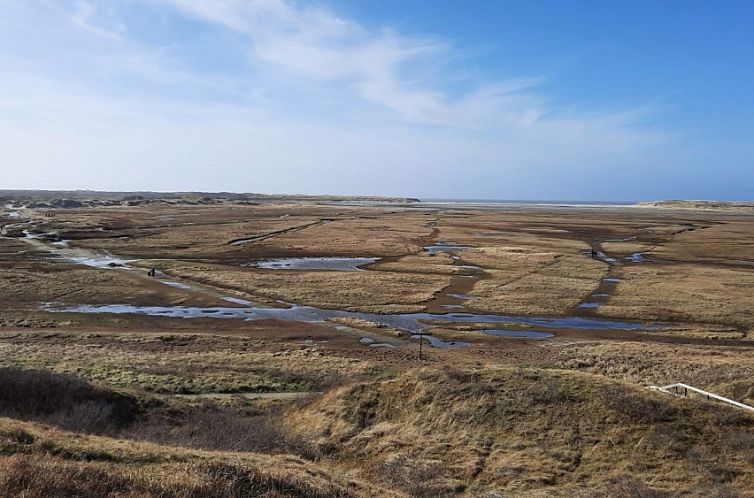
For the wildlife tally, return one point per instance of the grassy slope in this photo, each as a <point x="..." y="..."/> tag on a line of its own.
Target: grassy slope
<point x="183" y="364"/>
<point x="38" y="461"/>
<point x="531" y="433"/>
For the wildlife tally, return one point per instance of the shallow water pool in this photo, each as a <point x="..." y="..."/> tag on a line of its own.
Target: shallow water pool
<point x="328" y="264"/>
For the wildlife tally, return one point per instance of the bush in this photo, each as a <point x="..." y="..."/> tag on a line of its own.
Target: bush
<point x="234" y="481"/>
<point x="210" y="428"/>
<point x="640" y="408"/>
<point x="416" y="477"/>
<point x="18" y="436"/>
<point x="631" y="487"/>
<point x="44" y="476"/>
<point x="64" y="400"/>
<point x="721" y="490"/>
<point x="742" y="442"/>
<point x="549" y="392"/>
<point x="462" y="376"/>
<point x="727" y="416"/>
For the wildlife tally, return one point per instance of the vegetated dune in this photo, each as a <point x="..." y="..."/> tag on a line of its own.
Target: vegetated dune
<point x="529" y="432"/>
<point x="727" y="371"/>
<point x="700" y="205"/>
<point x="40" y="462"/>
<point x="73" y="199"/>
<point x="169" y="363"/>
<point x="66" y="400"/>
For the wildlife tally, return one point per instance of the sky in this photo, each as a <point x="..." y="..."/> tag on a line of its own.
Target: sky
<point x="590" y="100"/>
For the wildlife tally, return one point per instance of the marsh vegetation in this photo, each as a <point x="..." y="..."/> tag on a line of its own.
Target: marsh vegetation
<point x="547" y="397"/>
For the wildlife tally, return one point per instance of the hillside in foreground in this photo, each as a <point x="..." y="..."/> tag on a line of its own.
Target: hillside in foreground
<point x="431" y="431"/>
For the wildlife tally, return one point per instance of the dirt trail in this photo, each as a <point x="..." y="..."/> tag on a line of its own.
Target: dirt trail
<point x="276" y="396"/>
<point x="276" y="233"/>
<point x="606" y="287"/>
<point x="163" y="281"/>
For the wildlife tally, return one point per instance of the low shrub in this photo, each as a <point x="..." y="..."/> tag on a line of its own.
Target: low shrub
<point x="416" y="477"/>
<point x="631" y="487"/>
<point x="42" y="476"/>
<point x="211" y="428"/>
<point x="645" y="409"/>
<point x="64" y="400"/>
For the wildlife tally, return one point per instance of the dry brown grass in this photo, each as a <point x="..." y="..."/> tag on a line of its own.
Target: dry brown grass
<point x="626" y="248"/>
<point x="205" y="231"/>
<point x="732" y="242"/>
<point x="684" y="292"/>
<point x="724" y="370"/>
<point x="363" y="291"/>
<point x="371" y="234"/>
<point x="535" y="283"/>
<point x="528" y="270"/>
<point x="67" y="283"/>
<point x="194" y="240"/>
<point x="40" y="462"/>
<point x="178" y="363"/>
<point x="424" y="262"/>
<point x="16" y="250"/>
<point x="526" y="432"/>
<point x="575" y="421"/>
<point x="368" y="325"/>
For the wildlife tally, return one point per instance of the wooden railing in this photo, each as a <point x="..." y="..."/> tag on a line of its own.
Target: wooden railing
<point x="685" y="390"/>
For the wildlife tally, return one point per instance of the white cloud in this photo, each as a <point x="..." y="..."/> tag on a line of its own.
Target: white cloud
<point x="92" y="18"/>
<point x="324" y="104"/>
<point x="315" y="43"/>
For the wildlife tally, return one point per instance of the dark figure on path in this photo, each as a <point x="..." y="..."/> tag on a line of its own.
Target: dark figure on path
<point x="594" y="253"/>
<point x="152" y="273"/>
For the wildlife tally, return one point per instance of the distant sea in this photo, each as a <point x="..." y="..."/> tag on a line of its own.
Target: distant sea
<point x="532" y="201"/>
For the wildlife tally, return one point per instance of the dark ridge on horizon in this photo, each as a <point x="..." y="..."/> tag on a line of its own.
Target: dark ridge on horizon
<point x="70" y="198"/>
<point x="127" y="196"/>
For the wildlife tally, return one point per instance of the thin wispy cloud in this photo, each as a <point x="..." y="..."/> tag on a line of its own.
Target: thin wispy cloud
<point x="88" y="16"/>
<point x="376" y="64"/>
<point x="276" y="95"/>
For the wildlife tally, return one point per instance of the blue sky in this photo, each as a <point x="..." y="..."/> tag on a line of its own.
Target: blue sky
<point x="582" y="100"/>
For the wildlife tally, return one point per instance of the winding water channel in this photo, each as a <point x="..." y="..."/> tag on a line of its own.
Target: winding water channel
<point x="412" y="323"/>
